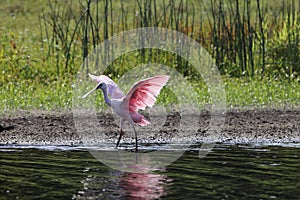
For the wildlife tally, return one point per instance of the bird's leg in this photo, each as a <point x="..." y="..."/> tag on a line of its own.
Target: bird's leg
<point x="136" y="141"/>
<point x="121" y="131"/>
<point x="121" y="134"/>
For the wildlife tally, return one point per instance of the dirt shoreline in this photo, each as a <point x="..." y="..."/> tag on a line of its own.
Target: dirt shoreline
<point x="241" y="126"/>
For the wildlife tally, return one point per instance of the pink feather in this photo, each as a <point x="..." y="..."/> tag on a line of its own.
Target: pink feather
<point x="143" y="94"/>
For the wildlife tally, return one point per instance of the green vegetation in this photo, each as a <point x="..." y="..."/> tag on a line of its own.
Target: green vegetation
<point x="256" y="45"/>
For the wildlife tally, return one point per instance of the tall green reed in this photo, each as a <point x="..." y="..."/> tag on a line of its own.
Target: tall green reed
<point x="246" y="38"/>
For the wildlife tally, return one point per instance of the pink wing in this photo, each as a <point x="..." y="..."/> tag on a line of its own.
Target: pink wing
<point x="143" y="94"/>
<point x="112" y="88"/>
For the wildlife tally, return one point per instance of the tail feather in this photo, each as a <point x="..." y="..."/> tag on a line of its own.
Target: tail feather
<point x="143" y="122"/>
<point x="139" y="119"/>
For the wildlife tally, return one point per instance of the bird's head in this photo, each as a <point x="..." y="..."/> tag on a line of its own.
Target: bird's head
<point x="101" y="86"/>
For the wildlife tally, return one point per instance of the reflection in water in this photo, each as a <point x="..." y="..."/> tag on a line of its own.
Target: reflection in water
<point x="148" y="184"/>
<point x="144" y="185"/>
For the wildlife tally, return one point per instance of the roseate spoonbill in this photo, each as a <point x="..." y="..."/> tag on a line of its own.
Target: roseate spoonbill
<point x="142" y="94"/>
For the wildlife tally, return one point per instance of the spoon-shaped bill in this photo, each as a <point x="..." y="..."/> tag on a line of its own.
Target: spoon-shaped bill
<point x="90" y="92"/>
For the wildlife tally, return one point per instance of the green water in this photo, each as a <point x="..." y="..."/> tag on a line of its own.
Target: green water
<point x="227" y="172"/>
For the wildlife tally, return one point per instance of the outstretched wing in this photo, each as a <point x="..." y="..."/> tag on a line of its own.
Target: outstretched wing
<point x="112" y="88"/>
<point x="144" y="92"/>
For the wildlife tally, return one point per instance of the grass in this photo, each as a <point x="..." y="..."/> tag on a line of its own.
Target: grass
<point x="262" y="93"/>
<point x="240" y="92"/>
<point x="38" y="67"/>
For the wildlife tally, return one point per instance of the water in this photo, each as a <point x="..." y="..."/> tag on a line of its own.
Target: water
<point x="228" y="172"/>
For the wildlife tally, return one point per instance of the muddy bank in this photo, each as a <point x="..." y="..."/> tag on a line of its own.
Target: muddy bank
<point x="246" y="126"/>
